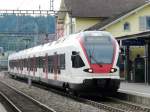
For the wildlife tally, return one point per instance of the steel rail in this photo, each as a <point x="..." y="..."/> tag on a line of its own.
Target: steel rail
<point x="16" y="109"/>
<point x="125" y="106"/>
<point x="48" y="109"/>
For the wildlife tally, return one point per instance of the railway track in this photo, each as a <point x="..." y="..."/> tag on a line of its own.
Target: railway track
<point x="107" y="104"/>
<point x="115" y="105"/>
<point x="126" y="106"/>
<point x="22" y="102"/>
<point x="9" y="106"/>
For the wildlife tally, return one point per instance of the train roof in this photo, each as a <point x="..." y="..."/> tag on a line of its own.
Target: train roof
<point x="64" y="41"/>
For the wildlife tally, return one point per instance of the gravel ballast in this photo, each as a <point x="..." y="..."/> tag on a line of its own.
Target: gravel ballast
<point x="53" y="100"/>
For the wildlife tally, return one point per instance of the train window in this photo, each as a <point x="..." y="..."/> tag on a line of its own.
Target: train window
<point x="44" y="64"/>
<point x="50" y="64"/>
<point x="61" y="61"/>
<point x="14" y="63"/>
<point x="41" y="62"/>
<point x="37" y="62"/>
<point x="77" y="61"/>
<point x="31" y="64"/>
<point x="28" y="64"/>
<point x="21" y="64"/>
<point x="25" y="62"/>
<point x="11" y="64"/>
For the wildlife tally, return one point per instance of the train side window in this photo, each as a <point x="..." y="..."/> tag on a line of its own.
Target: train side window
<point x="41" y="62"/>
<point x="28" y="64"/>
<point x="77" y="61"/>
<point x="21" y="64"/>
<point x="62" y="61"/>
<point x="11" y="64"/>
<point x="50" y="64"/>
<point x="44" y="64"/>
<point x="37" y="62"/>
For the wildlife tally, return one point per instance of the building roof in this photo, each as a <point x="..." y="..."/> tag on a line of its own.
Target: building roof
<point x="116" y="18"/>
<point x="144" y="35"/>
<point x="100" y="8"/>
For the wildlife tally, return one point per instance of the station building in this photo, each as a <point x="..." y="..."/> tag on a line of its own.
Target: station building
<point x="132" y="30"/>
<point x="128" y="21"/>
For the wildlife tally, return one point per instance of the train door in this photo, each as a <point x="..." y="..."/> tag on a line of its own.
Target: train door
<point x="55" y="65"/>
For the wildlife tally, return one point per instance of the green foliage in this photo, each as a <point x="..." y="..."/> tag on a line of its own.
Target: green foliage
<point x="24" y="24"/>
<point x="40" y="24"/>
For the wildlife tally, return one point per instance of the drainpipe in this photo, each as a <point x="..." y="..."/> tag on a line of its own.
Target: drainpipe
<point x="71" y="27"/>
<point x="148" y="65"/>
<point x="146" y="62"/>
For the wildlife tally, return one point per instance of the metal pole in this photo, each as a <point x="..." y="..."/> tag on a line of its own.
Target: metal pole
<point x="146" y="63"/>
<point x="71" y="27"/>
<point x="56" y="36"/>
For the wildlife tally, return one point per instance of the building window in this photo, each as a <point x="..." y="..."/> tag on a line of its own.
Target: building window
<point x="148" y="22"/>
<point x="144" y="23"/>
<point x="126" y="26"/>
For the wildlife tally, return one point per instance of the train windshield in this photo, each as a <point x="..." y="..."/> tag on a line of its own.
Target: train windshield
<point x="99" y="49"/>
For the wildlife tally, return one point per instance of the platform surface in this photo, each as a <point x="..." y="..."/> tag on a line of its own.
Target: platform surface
<point x="139" y="89"/>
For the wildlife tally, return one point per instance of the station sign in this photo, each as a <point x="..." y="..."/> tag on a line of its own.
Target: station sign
<point x="133" y="42"/>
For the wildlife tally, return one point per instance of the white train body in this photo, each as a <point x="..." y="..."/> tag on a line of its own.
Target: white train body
<point x="86" y="61"/>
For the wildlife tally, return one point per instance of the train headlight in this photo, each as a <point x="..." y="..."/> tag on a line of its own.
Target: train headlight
<point x="113" y="70"/>
<point x="89" y="70"/>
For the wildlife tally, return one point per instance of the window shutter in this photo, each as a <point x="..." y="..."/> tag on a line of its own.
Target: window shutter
<point x="142" y="23"/>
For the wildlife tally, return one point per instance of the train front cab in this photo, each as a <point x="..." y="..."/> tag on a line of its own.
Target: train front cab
<point x="101" y="74"/>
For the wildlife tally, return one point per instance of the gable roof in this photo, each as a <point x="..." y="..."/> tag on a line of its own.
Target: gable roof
<point x="116" y="18"/>
<point x="100" y="8"/>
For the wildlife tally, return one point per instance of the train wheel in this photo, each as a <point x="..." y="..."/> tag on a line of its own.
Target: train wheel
<point x="67" y="88"/>
<point x="70" y="91"/>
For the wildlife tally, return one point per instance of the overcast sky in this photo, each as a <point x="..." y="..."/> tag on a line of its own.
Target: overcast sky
<point x="28" y="4"/>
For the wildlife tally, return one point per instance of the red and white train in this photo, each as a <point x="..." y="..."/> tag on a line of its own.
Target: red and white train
<point x="82" y="62"/>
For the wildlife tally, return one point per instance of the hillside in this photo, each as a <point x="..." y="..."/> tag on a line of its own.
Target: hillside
<point x="25" y="24"/>
<point x="13" y="23"/>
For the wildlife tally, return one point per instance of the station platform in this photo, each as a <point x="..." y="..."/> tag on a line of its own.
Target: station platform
<point x="135" y="92"/>
<point x="139" y="89"/>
